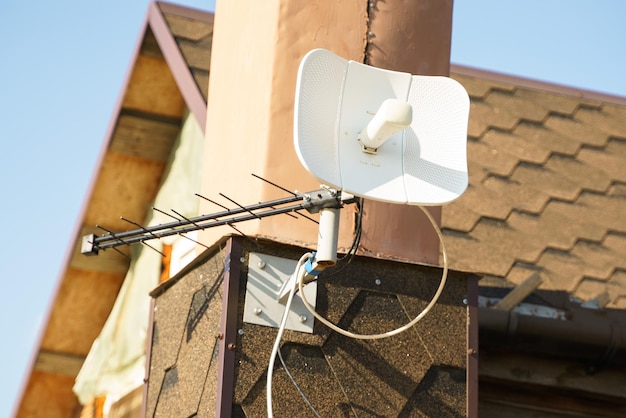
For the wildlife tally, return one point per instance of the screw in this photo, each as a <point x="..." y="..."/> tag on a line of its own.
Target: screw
<point x="378" y="282"/>
<point x="258" y="311"/>
<point x="242" y="259"/>
<point x="303" y="318"/>
<point x="464" y="301"/>
<point x="261" y="264"/>
<point x="240" y="331"/>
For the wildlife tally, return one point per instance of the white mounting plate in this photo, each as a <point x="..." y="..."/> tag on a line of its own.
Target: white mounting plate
<point x="266" y="274"/>
<point x="425" y="164"/>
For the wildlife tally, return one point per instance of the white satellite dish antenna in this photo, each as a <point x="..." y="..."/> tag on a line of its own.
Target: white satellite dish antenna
<point x="379" y="134"/>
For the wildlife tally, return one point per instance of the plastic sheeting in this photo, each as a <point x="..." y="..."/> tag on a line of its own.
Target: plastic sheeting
<point x="115" y="364"/>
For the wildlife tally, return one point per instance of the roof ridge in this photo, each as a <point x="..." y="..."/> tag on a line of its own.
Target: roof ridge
<point x="535" y="84"/>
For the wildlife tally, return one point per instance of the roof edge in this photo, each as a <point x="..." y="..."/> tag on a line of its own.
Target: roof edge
<point x="174" y="57"/>
<point x="535" y="84"/>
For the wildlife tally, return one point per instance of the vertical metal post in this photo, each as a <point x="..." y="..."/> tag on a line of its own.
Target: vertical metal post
<point x="472" y="347"/>
<point x="228" y="329"/>
<point x="146" y="381"/>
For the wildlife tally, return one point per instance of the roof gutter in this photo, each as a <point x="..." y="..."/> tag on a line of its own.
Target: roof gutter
<point x="598" y="329"/>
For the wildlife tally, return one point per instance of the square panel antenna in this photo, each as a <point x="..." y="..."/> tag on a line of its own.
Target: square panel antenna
<point x="380" y="134"/>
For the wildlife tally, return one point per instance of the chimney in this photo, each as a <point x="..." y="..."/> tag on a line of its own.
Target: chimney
<point x="257" y="48"/>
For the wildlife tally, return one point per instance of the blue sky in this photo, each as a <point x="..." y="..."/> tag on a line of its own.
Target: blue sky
<point x="63" y="65"/>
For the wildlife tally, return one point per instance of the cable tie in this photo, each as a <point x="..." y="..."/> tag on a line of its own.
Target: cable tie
<point x="308" y="266"/>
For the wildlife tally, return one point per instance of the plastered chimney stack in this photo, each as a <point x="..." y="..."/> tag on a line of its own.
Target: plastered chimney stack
<point x="257" y="48"/>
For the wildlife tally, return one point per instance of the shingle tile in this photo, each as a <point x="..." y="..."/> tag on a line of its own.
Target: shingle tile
<point x="561" y="270"/>
<point x="557" y="103"/>
<point x="618" y="115"/>
<point x="516" y="146"/>
<point x="475" y="171"/>
<point x="458" y="217"/>
<point x="619" y="279"/>
<point x="570" y="221"/>
<point x="490" y="159"/>
<point x="484" y="116"/>
<point x="617" y="190"/>
<point x="582" y="220"/>
<point x="479" y="88"/>
<point x="610" y="123"/>
<point x="613" y="165"/>
<point x="545" y="180"/>
<point x="617" y="146"/>
<point x="550" y="228"/>
<point x="466" y="253"/>
<point x="511" y="243"/>
<point x="614" y="289"/>
<point x="518" y="105"/>
<point x="477" y="123"/>
<point x="184" y="27"/>
<point x="546" y="138"/>
<point x="520" y="272"/>
<point x="196" y="56"/>
<point x="617" y="244"/>
<point x="598" y="259"/>
<point x="577" y="130"/>
<point x="589" y="289"/>
<point x="202" y="80"/>
<point x="585" y="176"/>
<point x="517" y="195"/>
<point x="484" y="203"/>
<point x="606" y="211"/>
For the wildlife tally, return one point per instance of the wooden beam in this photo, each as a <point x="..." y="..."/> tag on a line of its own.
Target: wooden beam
<point x="519" y="293"/>
<point x="59" y="363"/>
<point x="145" y="135"/>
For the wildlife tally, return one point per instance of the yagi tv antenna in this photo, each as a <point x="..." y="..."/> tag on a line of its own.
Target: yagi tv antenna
<point x="380" y="134"/>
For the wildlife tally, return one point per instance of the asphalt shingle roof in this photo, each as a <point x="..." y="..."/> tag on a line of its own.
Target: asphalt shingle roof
<point x="547" y="189"/>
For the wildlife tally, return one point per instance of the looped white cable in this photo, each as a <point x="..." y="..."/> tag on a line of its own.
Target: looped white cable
<point x="403" y="328"/>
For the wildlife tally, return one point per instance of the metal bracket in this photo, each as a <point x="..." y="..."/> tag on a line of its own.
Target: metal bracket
<point x="266" y="275"/>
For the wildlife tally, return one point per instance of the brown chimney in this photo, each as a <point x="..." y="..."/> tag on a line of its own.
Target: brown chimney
<point x="257" y="47"/>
